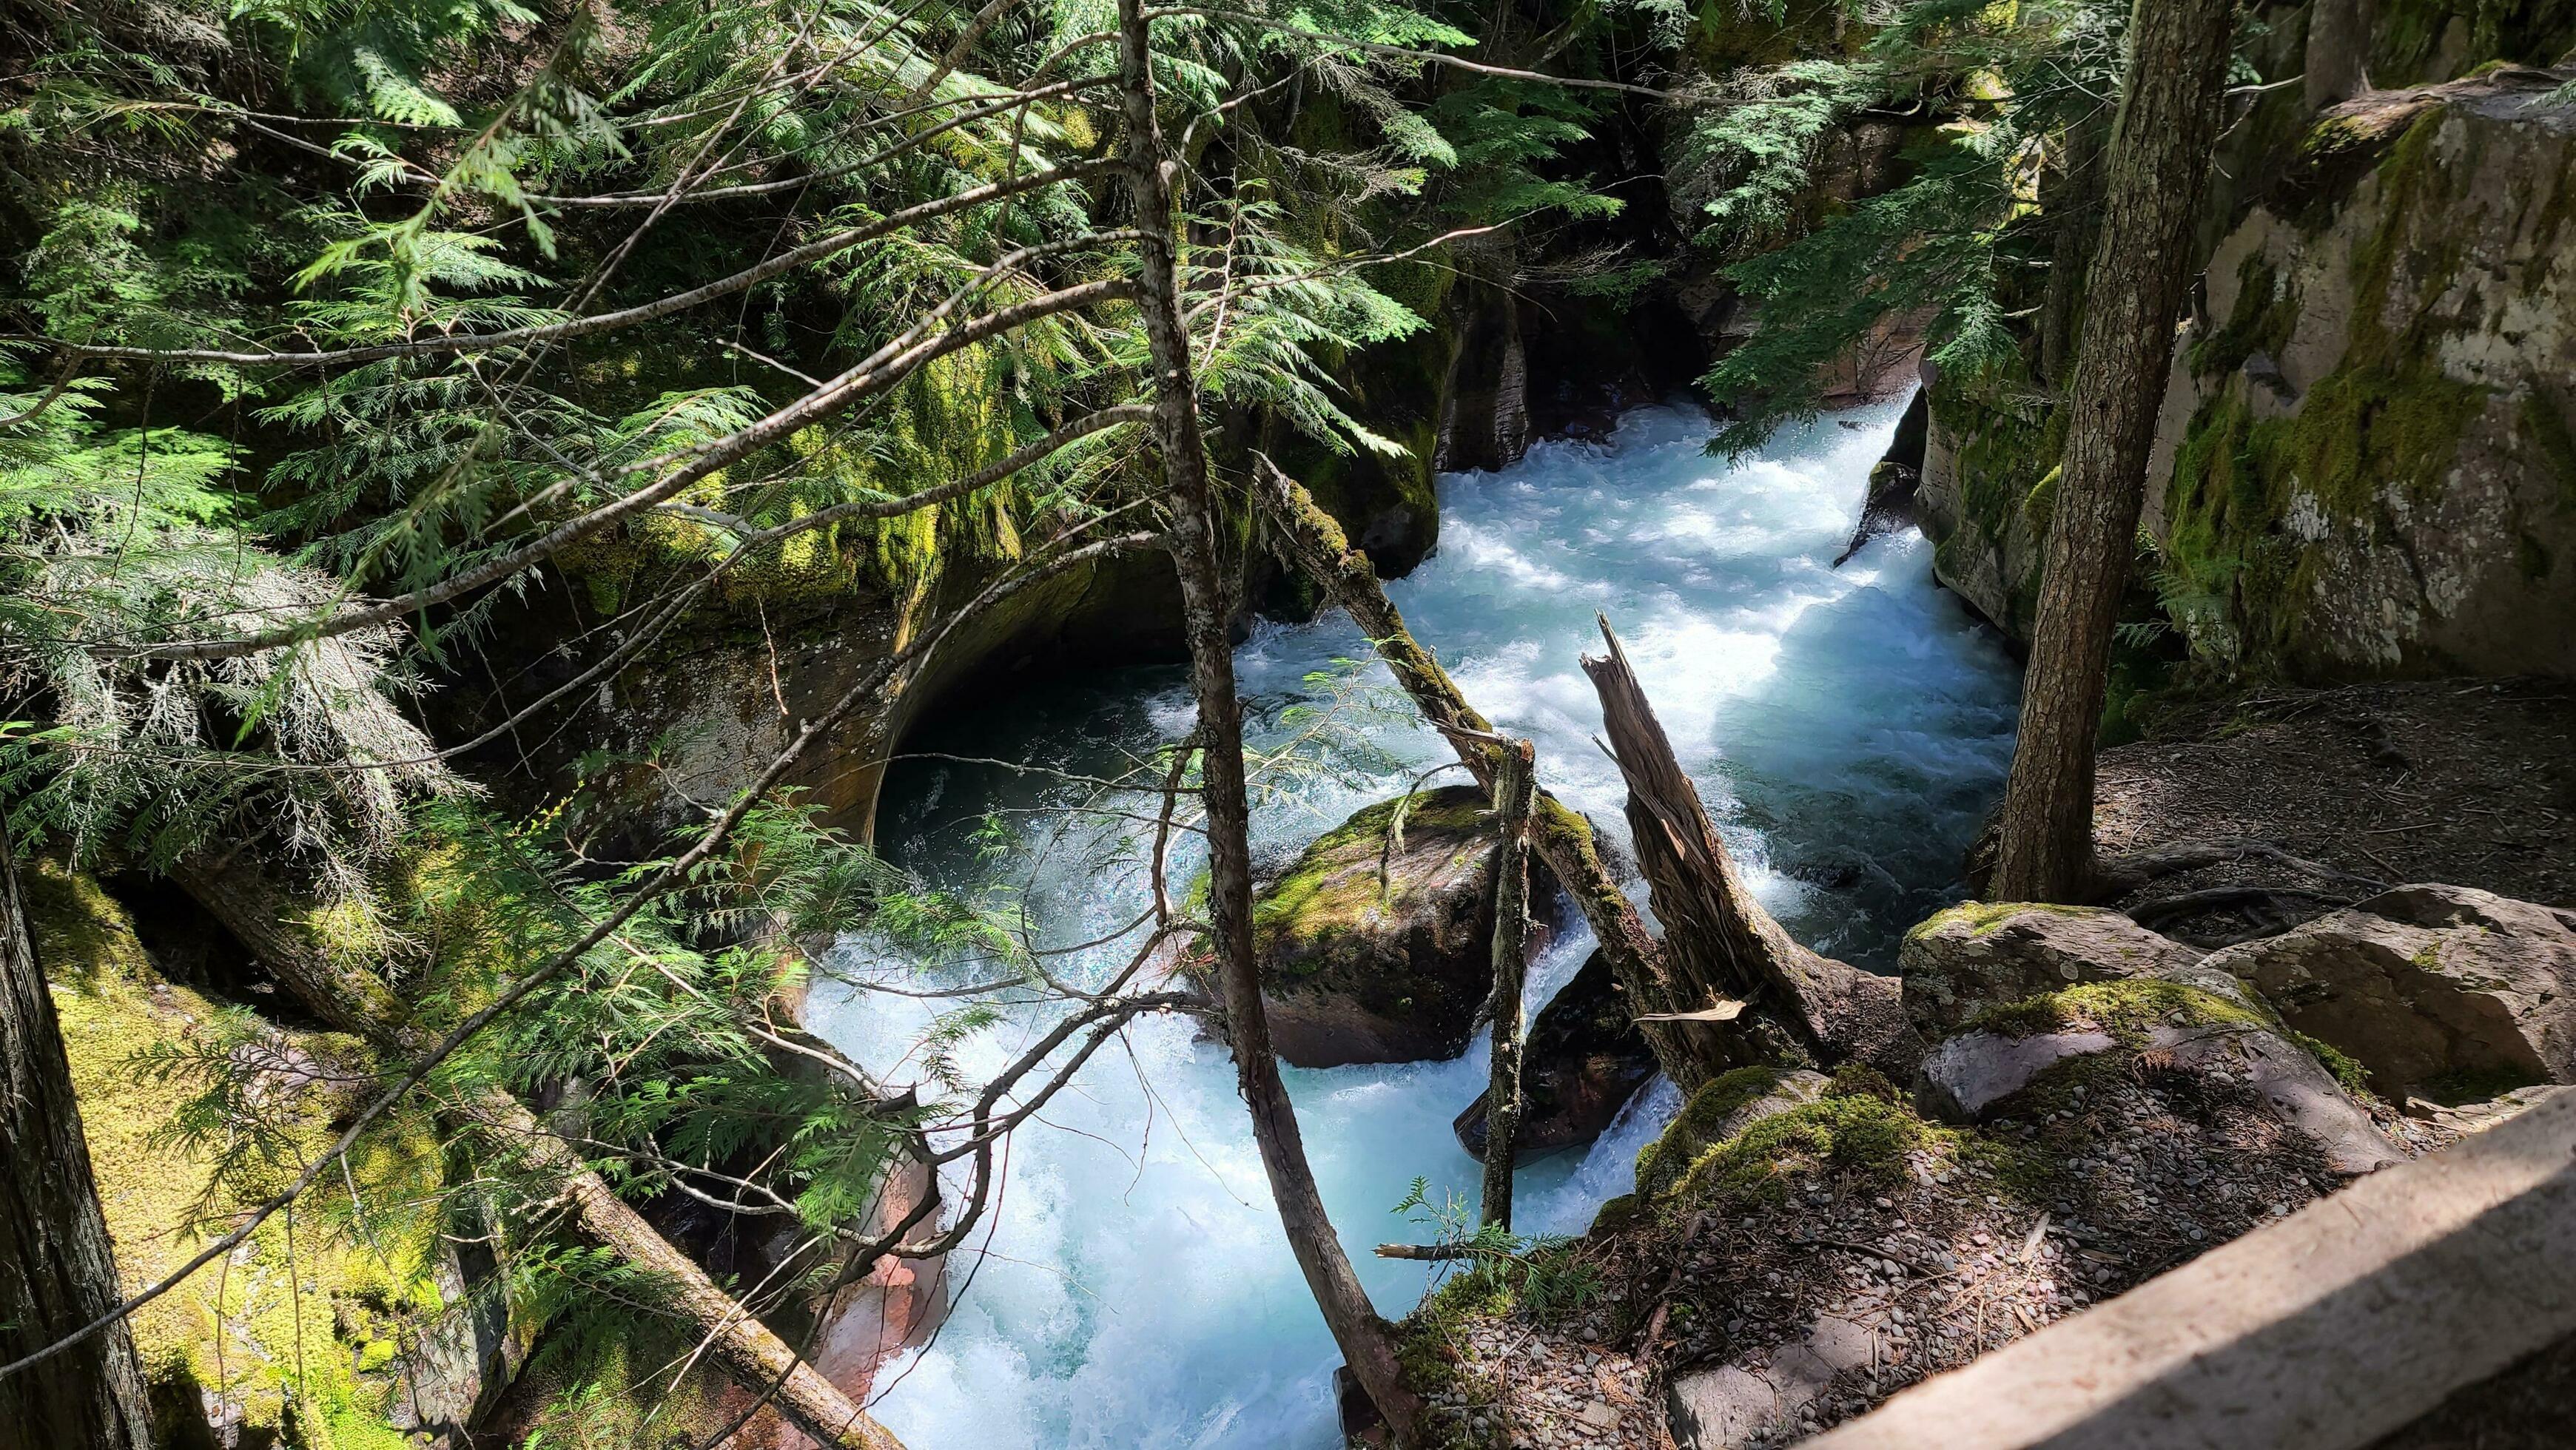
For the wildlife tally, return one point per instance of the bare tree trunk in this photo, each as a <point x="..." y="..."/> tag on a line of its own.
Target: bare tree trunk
<point x="1365" y="1340"/>
<point x="256" y="909"/>
<point x="2158" y="165"/>
<point x="1716" y="936"/>
<point x="1515" y="790"/>
<point x="57" y="1269"/>
<point x="736" y="1339"/>
<point x="1562" y="839"/>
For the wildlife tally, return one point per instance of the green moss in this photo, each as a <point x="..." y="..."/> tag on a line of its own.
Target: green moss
<point x="1334" y="886"/>
<point x="1692" y="1131"/>
<point x="2385" y="425"/>
<point x="2263" y="318"/>
<point x="1864" y="1136"/>
<point x="2346" y="1069"/>
<point x="1984" y="918"/>
<point x="284" y="1331"/>
<point x="2126" y="1008"/>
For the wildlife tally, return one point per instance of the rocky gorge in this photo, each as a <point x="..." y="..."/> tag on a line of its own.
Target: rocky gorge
<point x="2338" y="933"/>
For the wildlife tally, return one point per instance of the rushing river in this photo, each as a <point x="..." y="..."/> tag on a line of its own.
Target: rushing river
<point x="1848" y="727"/>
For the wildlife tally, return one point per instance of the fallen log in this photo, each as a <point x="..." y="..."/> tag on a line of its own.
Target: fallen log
<point x="256" y="911"/>
<point x="1718" y="941"/>
<point x="1689" y="1052"/>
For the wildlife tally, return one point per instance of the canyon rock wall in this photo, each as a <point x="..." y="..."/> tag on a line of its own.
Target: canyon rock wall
<point x="2366" y="462"/>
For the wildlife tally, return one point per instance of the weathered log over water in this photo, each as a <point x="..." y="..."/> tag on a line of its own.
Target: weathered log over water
<point x="1718" y="941"/>
<point x="1514" y="793"/>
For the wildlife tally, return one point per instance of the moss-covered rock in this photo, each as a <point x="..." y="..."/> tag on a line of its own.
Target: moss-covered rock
<point x="2356" y="462"/>
<point x="2363" y="463"/>
<point x="346" y="1325"/>
<point x="1977" y="954"/>
<point x="1376" y="943"/>
<point x="2037" y="1057"/>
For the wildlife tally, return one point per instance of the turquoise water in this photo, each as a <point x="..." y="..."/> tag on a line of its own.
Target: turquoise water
<point x="1849" y="728"/>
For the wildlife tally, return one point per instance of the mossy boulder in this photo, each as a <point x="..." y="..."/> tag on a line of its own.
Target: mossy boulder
<point x="2444" y="992"/>
<point x="360" y="1320"/>
<point x="2193" y="1023"/>
<point x="2363" y="462"/>
<point x="1585" y="1058"/>
<point x="1715" y="1115"/>
<point x="1376" y="944"/>
<point x="1977" y="955"/>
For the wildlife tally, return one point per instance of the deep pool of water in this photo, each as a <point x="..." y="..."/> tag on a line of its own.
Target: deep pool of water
<point x="1849" y="728"/>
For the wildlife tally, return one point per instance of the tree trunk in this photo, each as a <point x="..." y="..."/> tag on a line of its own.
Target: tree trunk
<point x="2158" y="164"/>
<point x="746" y="1348"/>
<point x="1514" y="792"/>
<point x="1562" y="839"/>
<point x="1365" y="1340"/>
<point x="256" y="909"/>
<point x="1717" y="938"/>
<point x="57" y="1271"/>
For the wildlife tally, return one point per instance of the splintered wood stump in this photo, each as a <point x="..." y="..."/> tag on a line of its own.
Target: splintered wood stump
<point x="1718" y="941"/>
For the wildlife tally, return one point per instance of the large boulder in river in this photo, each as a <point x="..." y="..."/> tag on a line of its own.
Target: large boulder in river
<point x="1376" y="944"/>
<point x="1584" y="1059"/>
<point x="2444" y="992"/>
<point x="1977" y="955"/>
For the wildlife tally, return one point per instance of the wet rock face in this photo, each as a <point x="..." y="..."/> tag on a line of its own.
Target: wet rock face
<point x="2441" y="991"/>
<point x="2364" y="459"/>
<point x="1975" y="955"/>
<point x="1376" y="945"/>
<point x="1584" y="1059"/>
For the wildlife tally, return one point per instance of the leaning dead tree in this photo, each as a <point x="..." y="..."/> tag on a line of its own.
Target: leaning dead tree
<point x="1689" y="1053"/>
<point x="1515" y="793"/>
<point x="1715" y="932"/>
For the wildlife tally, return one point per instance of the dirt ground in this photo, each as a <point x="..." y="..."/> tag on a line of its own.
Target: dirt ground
<point x="2470" y="782"/>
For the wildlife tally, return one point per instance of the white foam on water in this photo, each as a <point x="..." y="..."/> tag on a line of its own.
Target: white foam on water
<point x="1847" y="727"/>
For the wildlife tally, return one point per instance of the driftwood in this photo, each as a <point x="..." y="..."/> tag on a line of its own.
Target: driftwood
<point x="1689" y="1054"/>
<point x="255" y="909"/>
<point x="1427" y="1253"/>
<point x="1718" y="941"/>
<point x="1515" y="791"/>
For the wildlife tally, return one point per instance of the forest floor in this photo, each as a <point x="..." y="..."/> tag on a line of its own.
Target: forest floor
<point x="2471" y="783"/>
<point x="1788" y="1310"/>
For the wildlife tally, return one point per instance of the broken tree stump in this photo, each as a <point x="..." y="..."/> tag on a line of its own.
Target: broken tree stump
<point x="1718" y="941"/>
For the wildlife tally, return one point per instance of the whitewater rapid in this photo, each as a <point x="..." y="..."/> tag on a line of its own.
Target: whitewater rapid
<point x="1849" y="728"/>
